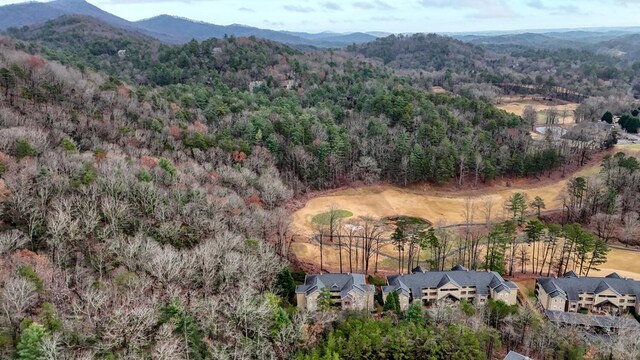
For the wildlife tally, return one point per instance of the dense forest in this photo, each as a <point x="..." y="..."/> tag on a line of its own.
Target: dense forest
<point x="467" y="68"/>
<point x="143" y="189"/>
<point x="342" y="119"/>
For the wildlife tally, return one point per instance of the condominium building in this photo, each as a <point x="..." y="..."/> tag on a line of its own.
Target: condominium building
<point x="348" y="291"/>
<point x="436" y="287"/>
<point x="609" y="295"/>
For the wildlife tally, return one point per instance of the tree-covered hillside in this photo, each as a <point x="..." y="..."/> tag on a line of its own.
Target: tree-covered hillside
<point x="327" y="118"/>
<point x="116" y="238"/>
<point x="455" y="64"/>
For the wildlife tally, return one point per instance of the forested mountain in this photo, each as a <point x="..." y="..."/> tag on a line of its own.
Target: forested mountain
<point x="616" y="44"/>
<point x="624" y="47"/>
<point x="184" y="30"/>
<point x="542" y="41"/>
<point x="449" y="63"/>
<point x="18" y="15"/>
<point x="117" y="201"/>
<point x="136" y="220"/>
<point x="345" y="131"/>
<point x="168" y="29"/>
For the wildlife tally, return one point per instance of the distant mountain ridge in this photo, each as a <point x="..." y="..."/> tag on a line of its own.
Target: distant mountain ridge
<point x="623" y="44"/>
<point x="166" y="28"/>
<point x="619" y="42"/>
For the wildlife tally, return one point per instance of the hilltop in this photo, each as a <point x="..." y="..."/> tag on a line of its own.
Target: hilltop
<point x="552" y="72"/>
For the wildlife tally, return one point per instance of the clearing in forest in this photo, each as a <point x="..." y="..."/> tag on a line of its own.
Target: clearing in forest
<point x="436" y="206"/>
<point x="516" y="105"/>
<point x="385" y="201"/>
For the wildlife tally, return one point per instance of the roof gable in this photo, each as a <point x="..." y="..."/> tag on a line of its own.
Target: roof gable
<point x="344" y="283"/>
<point x="445" y="280"/>
<point x="604" y="286"/>
<point x="570" y="274"/>
<point x="512" y="355"/>
<point x="573" y="287"/>
<point x="481" y="280"/>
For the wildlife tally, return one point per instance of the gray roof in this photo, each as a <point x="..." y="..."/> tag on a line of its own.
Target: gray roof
<point x="418" y="269"/>
<point x="570" y="274"/>
<point x="512" y="355"/>
<point x="414" y="283"/>
<point x="334" y="282"/>
<point x="598" y="321"/>
<point x="446" y="280"/>
<point x="571" y="287"/>
<point x="614" y="276"/>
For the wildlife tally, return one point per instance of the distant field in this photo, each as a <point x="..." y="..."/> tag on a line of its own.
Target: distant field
<point x="516" y="105"/>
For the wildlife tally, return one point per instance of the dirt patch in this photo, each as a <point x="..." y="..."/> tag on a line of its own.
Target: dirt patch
<point x="438" y="90"/>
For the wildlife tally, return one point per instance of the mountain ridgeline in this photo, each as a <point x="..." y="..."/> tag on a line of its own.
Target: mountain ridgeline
<point x="166" y="28"/>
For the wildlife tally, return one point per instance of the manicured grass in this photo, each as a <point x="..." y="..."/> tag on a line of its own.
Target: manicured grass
<point x="325" y="218"/>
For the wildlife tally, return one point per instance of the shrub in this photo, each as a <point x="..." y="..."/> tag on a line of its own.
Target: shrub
<point x="30" y="274"/>
<point x="284" y="285"/>
<point x="50" y="317"/>
<point x="298" y="276"/>
<point x="415" y="313"/>
<point x="68" y="145"/>
<point x="126" y="280"/>
<point x="144" y="176"/>
<point x="99" y="154"/>
<point x="392" y="303"/>
<point x="376" y="280"/>
<point x="24" y="149"/>
<point x="30" y="343"/>
<point x="86" y="176"/>
<point x="167" y="167"/>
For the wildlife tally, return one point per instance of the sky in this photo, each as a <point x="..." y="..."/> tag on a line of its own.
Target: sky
<point x="394" y="16"/>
